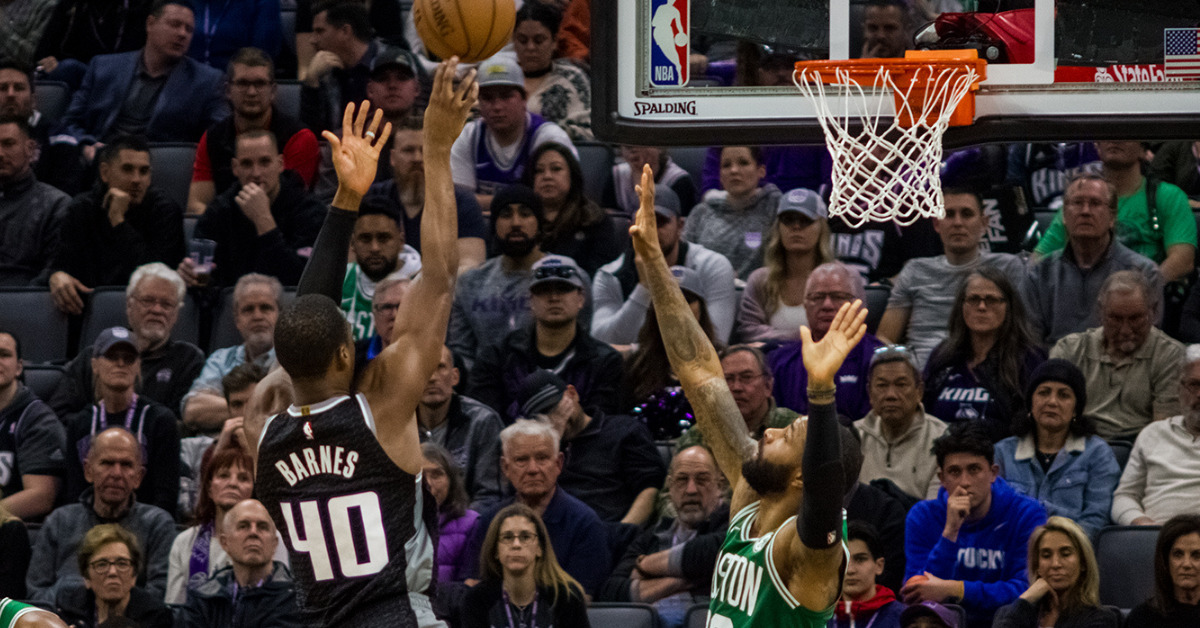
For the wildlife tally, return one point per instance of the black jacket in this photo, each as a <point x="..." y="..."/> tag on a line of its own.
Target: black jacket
<point x="874" y="506"/>
<point x="484" y="605"/>
<point x="240" y="250"/>
<point x="221" y="137"/>
<point x="76" y="605"/>
<point x="99" y="254"/>
<point x="1022" y="614"/>
<point x="473" y="439"/>
<point x="616" y="588"/>
<point x="167" y="375"/>
<point x="272" y="605"/>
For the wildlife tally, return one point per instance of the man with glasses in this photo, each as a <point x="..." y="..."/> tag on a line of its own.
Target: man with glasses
<point x="250" y="88"/>
<point x="622" y="298"/>
<point x="153" y="300"/>
<point x="114" y="471"/>
<point x="918" y="309"/>
<point x="1131" y="366"/>
<point x="556" y="340"/>
<point x="1060" y="293"/>
<point x="897" y="434"/>
<point x="829" y="287"/>
<point x="750" y="382"/>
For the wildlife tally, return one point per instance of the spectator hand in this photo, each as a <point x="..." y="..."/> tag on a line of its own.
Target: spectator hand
<point x="1038" y="590"/>
<point x="233" y="434"/>
<point x="823" y="359"/>
<point x="66" y="292"/>
<point x="449" y="106"/>
<point x="117" y="202"/>
<point x="1140" y="521"/>
<point x="322" y="63"/>
<point x="958" y="506"/>
<point x="89" y="151"/>
<point x="256" y="205"/>
<point x="356" y="154"/>
<point x="930" y="589"/>
<point x="187" y="271"/>
<point x="48" y="64"/>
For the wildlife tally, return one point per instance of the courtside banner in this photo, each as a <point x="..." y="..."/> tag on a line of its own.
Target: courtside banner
<point x="670" y="42"/>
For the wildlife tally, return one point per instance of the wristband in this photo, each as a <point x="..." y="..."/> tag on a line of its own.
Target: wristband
<point x="821" y="396"/>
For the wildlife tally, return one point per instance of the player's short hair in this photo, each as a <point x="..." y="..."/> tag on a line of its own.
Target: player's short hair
<point x="862" y="531"/>
<point x="339" y="13"/>
<point x="250" y="57"/>
<point x="380" y="206"/>
<point x="242" y="377"/>
<point x="102" y="535"/>
<point x="964" y="437"/>
<point x="309" y="334"/>
<point x="111" y="150"/>
<point x="528" y="427"/>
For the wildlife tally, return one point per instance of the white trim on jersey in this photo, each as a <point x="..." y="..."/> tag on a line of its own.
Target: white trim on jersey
<point x="294" y="410"/>
<point x="263" y="434"/>
<point x="776" y="579"/>
<point x="366" y="412"/>
<point x="742" y="517"/>
<point x="17" y="615"/>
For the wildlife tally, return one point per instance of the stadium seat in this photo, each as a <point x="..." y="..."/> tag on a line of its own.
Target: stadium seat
<point x="1125" y="555"/>
<point x="697" y="616"/>
<point x="106" y="308"/>
<point x="42" y="379"/>
<point x="171" y="164"/>
<point x="622" y="615"/>
<point x="30" y="315"/>
<point x="1121" y="449"/>
<point x="52" y="99"/>
<point x="224" y="332"/>
<point x="877" y="298"/>
<point x="288" y="18"/>
<point x="287" y="98"/>
<point x="690" y="158"/>
<point x="621" y="224"/>
<point x="596" y="160"/>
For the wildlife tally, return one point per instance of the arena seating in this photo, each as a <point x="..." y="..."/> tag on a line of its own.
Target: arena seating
<point x="29" y="313"/>
<point x="1125" y="555"/>
<point x="622" y="615"/>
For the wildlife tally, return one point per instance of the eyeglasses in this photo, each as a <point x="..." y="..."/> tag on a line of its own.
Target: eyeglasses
<point x="385" y="308"/>
<point x="123" y="565"/>
<point x="245" y="84"/>
<point x="508" y="538"/>
<point x="746" y="378"/>
<point x="702" y="480"/>
<point x="975" y="300"/>
<point x="149" y="302"/>
<point x="559" y="272"/>
<point x="817" y="298"/>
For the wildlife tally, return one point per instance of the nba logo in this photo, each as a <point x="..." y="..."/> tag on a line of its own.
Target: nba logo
<point x="670" y="43"/>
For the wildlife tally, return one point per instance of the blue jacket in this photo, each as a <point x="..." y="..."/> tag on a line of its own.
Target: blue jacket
<point x="225" y="26"/>
<point x="192" y="100"/>
<point x="989" y="556"/>
<point x="1080" y="483"/>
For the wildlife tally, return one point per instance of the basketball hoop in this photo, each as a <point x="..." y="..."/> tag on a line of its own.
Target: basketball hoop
<point x="890" y="170"/>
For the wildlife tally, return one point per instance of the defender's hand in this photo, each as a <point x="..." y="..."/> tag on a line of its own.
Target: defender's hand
<point x="644" y="231"/>
<point x="823" y="359"/>
<point x="449" y="106"/>
<point x="356" y="153"/>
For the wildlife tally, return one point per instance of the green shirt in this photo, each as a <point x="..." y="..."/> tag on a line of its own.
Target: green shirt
<point x="357" y="293"/>
<point x="747" y="590"/>
<point x="1177" y="224"/>
<point x="12" y="610"/>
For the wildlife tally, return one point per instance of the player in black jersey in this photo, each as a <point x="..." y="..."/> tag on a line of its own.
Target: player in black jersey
<point x="341" y="474"/>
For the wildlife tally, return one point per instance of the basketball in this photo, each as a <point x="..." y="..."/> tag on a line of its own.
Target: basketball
<point x="681" y="39"/>
<point x="472" y="29"/>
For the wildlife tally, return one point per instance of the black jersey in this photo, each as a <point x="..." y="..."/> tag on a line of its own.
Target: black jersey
<point x="359" y="529"/>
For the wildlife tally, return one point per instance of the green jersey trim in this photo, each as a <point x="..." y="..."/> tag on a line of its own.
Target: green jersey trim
<point x="12" y="610"/>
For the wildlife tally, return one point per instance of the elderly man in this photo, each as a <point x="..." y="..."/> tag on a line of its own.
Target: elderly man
<point x="695" y="492"/>
<point x="1060" y="293"/>
<point x="121" y="224"/>
<point x="153" y="300"/>
<point x="922" y="297"/>
<point x="1162" y="477"/>
<point x="532" y="462"/>
<point x="255" y="590"/>
<point x="114" y="469"/>
<point x="897" y="434"/>
<point x="31" y="212"/>
<point x="266" y="223"/>
<point x="750" y="382"/>
<point x="612" y="463"/>
<point x="468" y="429"/>
<point x="622" y="299"/>
<point x="256" y="303"/>
<point x="829" y="286"/>
<point x="31" y="441"/>
<point x="1131" y="366"/>
<point x="557" y="339"/>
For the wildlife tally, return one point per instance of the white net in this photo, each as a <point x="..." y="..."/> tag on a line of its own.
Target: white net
<point x="886" y="167"/>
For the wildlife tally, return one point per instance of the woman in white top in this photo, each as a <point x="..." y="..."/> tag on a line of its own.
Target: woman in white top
<point x="772" y="306"/>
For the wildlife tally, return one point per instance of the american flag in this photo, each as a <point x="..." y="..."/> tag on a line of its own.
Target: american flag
<point x="1181" y="53"/>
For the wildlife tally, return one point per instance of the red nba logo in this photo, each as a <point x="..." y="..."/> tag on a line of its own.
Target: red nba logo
<point x="670" y="42"/>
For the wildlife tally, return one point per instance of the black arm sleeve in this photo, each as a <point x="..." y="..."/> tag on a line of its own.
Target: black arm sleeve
<point x="326" y="267"/>
<point x="820" y="520"/>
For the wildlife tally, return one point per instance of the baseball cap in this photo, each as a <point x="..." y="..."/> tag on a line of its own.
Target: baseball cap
<point x="501" y="69"/>
<point x="688" y="280"/>
<point x="390" y="57"/>
<point x="558" y="269"/>
<point x="803" y="201"/>
<point x="540" y="392"/>
<point x="112" y="337"/>
<point x="666" y="202"/>
<point x="930" y="609"/>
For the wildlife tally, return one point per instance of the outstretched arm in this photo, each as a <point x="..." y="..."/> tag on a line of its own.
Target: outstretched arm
<point x="394" y="381"/>
<point x="691" y="354"/>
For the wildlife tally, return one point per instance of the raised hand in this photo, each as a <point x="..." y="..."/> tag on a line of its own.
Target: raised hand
<point x="356" y="154"/>
<point x="449" y="106"/>
<point x="644" y="230"/>
<point x="823" y="359"/>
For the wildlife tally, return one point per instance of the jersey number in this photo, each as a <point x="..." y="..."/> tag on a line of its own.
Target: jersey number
<point x="370" y="520"/>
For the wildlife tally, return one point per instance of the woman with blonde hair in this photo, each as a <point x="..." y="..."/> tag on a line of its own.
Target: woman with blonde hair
<point x="772" y="306"/>
<point x="1064" y="577"/>
<point x="522" y="583"/>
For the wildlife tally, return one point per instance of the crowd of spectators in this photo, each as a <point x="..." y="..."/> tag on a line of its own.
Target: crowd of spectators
<point x="1008" y="406"/>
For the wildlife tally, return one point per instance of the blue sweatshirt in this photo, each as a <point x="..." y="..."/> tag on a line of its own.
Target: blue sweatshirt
<point x="990" y="554"/>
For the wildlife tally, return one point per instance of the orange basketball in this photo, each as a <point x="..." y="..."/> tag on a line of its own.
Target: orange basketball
<point x="917" y="579"/>
<point x="472" y="29"/>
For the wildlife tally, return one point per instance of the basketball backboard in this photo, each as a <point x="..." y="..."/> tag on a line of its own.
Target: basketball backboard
<point x="1084" y="69"/>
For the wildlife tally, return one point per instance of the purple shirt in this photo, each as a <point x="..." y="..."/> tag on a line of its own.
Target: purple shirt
<point x="791" y="380"/>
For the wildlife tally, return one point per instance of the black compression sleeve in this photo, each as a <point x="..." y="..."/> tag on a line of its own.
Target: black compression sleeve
<point x="820" y="520"/>
<point x="326" y="268"/>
